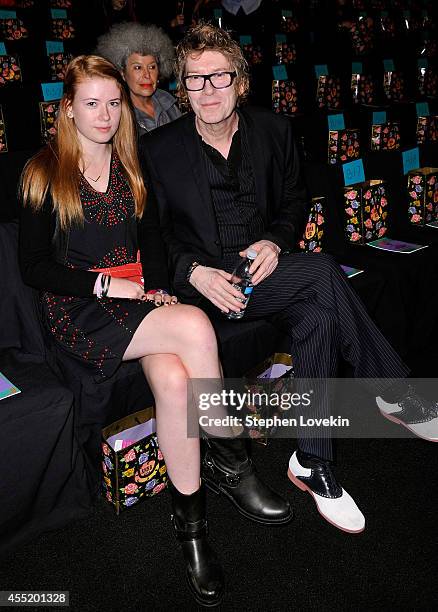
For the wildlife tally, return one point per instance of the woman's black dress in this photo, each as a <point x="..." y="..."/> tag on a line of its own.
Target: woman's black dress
<point x="95" y="331"/>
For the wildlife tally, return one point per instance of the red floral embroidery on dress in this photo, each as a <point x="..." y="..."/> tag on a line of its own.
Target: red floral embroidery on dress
<point x="111" y="207"/>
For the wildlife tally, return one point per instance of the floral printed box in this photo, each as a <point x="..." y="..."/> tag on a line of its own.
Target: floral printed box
<point x="311" y="241"/>
<point x="385" y="136"/>
<point x="62" y="29"/>
<point x="285" y="53"/>
<point x="58" y="63"/>
<point x="253" y="53"/>
<point x="427" y="129"/>
<point x="427" y="80"/>
<point x="328" y="92"/>
<point x="137" y="469"/>
<point x="12" y="29"/>
<point x="3" y="140"/>
<point x="423" y="196"/>
<point x="48" y="115"/>
<point x="394" y="86"/>
<point x="366" y="211"/>
<point x="272" y="376"/>
<point x="289" y="23"/>
<point x="361" y="35"/>
<point x="10" y="71"/>
<point x="343" y="145"/>
<point x="362" y="89"/>
<point x="284" y="97"/>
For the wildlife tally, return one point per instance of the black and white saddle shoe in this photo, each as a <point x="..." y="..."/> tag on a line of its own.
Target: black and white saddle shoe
<point x="333" y="503"/>
<point x="414" y="412"/>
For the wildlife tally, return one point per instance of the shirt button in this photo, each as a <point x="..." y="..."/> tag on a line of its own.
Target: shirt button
<point x="217" y="243"/>
<point x="241" y="210"/>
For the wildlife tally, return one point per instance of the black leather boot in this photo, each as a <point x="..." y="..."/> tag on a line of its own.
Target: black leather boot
<point x="227" y="469"/>
<point x="204" y="573"/>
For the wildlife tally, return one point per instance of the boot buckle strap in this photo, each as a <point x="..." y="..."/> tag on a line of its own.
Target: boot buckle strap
<point x="190" y="531"/>
<point x="232" y="480"/>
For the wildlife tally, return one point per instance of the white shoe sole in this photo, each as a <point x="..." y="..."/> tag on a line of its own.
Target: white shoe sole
<point x="418" y="429"/>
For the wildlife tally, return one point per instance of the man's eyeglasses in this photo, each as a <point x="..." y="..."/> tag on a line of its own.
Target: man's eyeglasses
<point x="219" y="80"/>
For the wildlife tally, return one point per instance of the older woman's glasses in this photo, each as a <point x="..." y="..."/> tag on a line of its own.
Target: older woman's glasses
<point x="219" y="80"/>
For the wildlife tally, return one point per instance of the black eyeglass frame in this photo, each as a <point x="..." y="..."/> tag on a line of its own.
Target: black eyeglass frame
<point x="207" y="77"/>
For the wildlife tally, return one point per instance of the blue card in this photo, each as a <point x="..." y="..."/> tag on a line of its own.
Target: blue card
<point x="52" y="91"/>
<point x="422" y="62"/>
<point x="280" y="38"/>
<point x="58" y="13"/>
<point x="8" y="14"/>
<point x="321" y="70"/>
<point x="422" y="109"/>
<point x="2" y="48"/>
<point x="217" y="13"/>
<point x="279" y="72"/>
<point x="286" y="13"/>
<point x="336" y="122"/>
<point x="411" y="160"/>
<point x="388" y="65"/>
<point x="379" y="117"/>
<point x="353" y="172"/>
<point x="172" y="85"/>
<point x="54" y="46"/>
<point x="245" y="40"/>
<point x="356" y="68"/>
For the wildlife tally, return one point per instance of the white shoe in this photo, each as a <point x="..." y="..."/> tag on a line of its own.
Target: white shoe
<point x="413" y="412"/>
<point x="332" y="501"/>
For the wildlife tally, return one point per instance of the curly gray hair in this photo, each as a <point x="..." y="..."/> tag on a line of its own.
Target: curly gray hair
<point x="124" y="39"/>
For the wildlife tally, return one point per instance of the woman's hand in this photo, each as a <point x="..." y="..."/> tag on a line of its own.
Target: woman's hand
<point x="161" y="299"/>
<point x="128" y="290"/>
<point x="124" y="288"/>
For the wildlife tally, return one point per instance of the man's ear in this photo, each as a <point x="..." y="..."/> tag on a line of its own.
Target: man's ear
<point x="240" y="89"/>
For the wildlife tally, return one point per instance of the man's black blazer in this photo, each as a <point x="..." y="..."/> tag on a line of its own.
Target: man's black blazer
<point x="179" y="197"/>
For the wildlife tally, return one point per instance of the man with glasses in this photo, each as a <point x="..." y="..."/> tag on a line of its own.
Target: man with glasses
<point x="224" y="179"/>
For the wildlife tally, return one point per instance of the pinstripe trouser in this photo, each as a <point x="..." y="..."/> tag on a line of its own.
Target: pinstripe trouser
<point x="311" y="298"/>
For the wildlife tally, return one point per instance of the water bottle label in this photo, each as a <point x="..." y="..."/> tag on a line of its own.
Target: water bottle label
<point x="248" y="291"/>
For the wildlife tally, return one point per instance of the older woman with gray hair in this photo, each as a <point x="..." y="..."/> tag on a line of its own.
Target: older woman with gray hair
<point x="143" y="53"/>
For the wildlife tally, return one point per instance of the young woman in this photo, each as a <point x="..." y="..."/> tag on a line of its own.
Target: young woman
<point x="83" y="200"/>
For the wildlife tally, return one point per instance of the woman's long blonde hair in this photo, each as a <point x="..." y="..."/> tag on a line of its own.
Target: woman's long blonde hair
<point x="55" y="169"/>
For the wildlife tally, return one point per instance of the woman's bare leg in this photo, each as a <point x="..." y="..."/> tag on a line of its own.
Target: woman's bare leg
<point x="175" y="343"/>
<point x="180" y="330"/>
<point x="167" y="378"/>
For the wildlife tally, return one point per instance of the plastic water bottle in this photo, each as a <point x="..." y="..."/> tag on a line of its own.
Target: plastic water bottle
<point x="242" y="280"/>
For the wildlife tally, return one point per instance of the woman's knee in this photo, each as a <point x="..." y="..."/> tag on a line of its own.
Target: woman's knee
<point x="197" y="328"/>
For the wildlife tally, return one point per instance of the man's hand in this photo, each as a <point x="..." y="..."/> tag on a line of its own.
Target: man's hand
<point x="265" y="262"/>
<point x="215" y="285"/>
